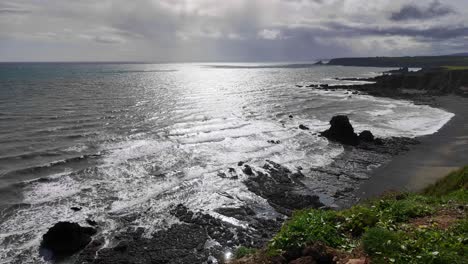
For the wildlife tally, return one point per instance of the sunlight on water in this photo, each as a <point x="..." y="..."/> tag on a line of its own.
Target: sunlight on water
<point x="119" y="140"/>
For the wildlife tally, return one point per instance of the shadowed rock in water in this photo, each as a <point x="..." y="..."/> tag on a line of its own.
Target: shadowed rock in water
<point x="247" y="170"/>
<point x="341" y="131"/>
<point x="366" y="136"/>
<point x="65" y="239"/>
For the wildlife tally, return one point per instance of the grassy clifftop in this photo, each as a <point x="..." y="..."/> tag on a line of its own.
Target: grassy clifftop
<point x="429" y="227"/>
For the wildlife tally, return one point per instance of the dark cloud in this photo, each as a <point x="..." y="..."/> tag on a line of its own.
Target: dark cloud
<point x="435" y="32"/>
<point x="435" y="9"/>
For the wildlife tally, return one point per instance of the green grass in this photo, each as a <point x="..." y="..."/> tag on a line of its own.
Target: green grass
<point x="244" y="251"/>
<point x="382" y="226"/>
<point x="454" y="181"/>
<point x="456" y="68"/>
<point x="417" y="245"/>
<point x="307" y="226"/>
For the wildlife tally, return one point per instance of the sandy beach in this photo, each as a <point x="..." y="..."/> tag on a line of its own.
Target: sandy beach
<point x="425" y="163"/>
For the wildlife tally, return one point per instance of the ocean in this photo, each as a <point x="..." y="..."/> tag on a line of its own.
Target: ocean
<point x="121" y="139"/>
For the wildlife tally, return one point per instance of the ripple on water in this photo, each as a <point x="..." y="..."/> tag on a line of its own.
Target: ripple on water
<point x="169" y="136"/>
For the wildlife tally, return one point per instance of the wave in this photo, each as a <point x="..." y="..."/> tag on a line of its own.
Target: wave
<point x="47" y="166"/>
<point x="141" y="71"/>
<point x="273" y="66"/>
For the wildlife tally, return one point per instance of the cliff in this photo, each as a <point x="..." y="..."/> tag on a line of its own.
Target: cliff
<point x="433" y="81"/>
<point x="426" y="227"/>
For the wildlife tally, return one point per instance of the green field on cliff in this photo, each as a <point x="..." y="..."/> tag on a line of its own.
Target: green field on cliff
<point x="426" y="227"/>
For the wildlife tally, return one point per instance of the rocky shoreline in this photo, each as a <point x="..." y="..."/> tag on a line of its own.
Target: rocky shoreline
<point x="421" y="87"/>
<point x="202" y="238"/>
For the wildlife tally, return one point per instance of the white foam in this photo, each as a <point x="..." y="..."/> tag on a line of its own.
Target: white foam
<point x="212" y="127"/>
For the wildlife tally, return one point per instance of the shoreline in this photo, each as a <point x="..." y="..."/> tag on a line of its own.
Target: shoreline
<point x="436" y="155"/>
<point x="343" y="181"/>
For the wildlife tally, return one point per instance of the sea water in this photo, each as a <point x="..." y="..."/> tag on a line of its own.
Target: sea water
<point x="122" y="139"/>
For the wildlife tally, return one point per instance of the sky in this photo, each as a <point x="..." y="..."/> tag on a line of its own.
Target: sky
<point x="228" y="30"/>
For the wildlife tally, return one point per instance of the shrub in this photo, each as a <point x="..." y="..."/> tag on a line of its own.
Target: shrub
<point x="359" y="218"/>
<point x="243" y="251"/>
<point x="305" y="227"/>
<point x="380" y="241"/>
<point x="402" y="210"/>
<point x="418" y="246"/>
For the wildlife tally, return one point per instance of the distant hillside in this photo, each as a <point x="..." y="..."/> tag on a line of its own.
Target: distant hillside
<point x="460" y="54"/>
<point x="415" y="62"/>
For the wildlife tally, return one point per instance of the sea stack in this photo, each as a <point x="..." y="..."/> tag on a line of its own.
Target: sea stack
<point x="341" y="131"/>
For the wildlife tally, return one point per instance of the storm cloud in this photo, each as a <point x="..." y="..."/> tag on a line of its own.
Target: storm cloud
<point x="411" y="11"/>
<point x="241" y="30"/>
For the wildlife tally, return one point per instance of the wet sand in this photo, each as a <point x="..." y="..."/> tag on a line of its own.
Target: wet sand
<point x="437" y="155"/>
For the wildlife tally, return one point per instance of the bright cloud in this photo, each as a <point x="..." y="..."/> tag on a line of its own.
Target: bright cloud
<point x="203" y="30"/>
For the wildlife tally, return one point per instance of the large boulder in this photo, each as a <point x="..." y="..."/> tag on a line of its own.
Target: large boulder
<point x="366" y="136"/>
<point x="65" y="239"/>
<point x="341" y="131"/>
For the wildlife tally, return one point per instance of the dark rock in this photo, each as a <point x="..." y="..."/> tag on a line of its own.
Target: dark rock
<point x="121" y="247"/>
<point x="282" y="188"/>
<point x="304" y="260"/>
<point x="222" y="175"/>
<point x="366" y="136"/>
<point x="240" y="163"/>
<point x="232" y="170"/>
<point x="274" y="141"/>
<point x="303" y="127"/>
<point x="76" y="209"/>
<point x="240" y="213"/>
<point x="300" y="86"/>
<point x="247" y="170"/>
<point x="342" y="131"/>
<point x="378" y="141"/>
<point x="320" y="253"/>
<point x="342" y="192"/>
<point x="399" y="71"/>
<point x="65" y="239"/>
<point x="319" y="63"/>
<point x="91" y="222"/>
<point x="291" y="116"/>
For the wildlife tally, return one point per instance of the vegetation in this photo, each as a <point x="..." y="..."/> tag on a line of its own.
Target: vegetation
<point x="243" y="251"/>
<point x="456" y="68"/>
<point x="431" y="227"/>
<point x="454" y="181"/>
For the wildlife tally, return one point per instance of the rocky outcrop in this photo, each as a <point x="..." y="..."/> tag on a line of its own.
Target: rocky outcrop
<point x="416" y="85"/>
<point x="196" y="238"/>
<point x="65" y="239"/>
<point x="366" y="136"/>
<point x="282" y="188"/>
<point x="341" y="131"/>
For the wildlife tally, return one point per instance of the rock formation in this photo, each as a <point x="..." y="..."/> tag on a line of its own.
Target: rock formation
<point x="65" y="239"/>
